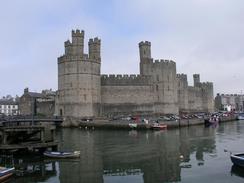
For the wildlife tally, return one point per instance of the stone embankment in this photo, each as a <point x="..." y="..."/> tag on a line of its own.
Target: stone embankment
<point x="124" y="124"/>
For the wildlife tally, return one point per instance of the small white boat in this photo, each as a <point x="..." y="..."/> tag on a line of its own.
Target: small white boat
<point x="132" y="125"/>
<point x="59" y="154"/>
<point x="240" y="116"/>
<point x="5" y="173"/>
<point x="157" y="126"/>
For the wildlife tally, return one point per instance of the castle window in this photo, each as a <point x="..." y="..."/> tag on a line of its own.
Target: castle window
<point x="156" y="87"/>
<point x="157" y="77"/>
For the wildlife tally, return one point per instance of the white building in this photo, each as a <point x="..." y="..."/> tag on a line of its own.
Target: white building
<point x="9" y="107"/>
<point x="229" y="102"/>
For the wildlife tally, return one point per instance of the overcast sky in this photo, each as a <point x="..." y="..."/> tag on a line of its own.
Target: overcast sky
<point x="201" y="36"/>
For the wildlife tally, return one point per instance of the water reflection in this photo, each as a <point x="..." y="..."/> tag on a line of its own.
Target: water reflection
<point x="237" y="171"/>
<point x="133" y="156"/>
<point x="30" y="168"/>
<point x="154" y="156"/>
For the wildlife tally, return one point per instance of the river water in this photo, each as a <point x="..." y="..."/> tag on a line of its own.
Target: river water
<point x="190" y="154"/>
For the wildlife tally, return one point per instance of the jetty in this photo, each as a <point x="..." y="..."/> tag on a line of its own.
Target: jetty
<point x="36" y="134"/>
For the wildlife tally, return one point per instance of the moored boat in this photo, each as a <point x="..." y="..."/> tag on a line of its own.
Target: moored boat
<point x="157" y="126"/>
<point x="133" y="125"/>
<point x="59" y="154"/>
<point x="214" y="120"/>
<point x="5" y="173"/>
<point x="237" y="159"/>
<point x="240" y="116"/>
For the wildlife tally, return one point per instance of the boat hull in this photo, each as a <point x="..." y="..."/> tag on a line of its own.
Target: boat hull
<point x="61" y="155"/>
<point x="237" y="159"/>
<point x="158" y="127"/>
<point x="240" y="117"/>
<point x="5" y="177"/>
<point x="6" y="173"/>
<point x="132" y="125"/>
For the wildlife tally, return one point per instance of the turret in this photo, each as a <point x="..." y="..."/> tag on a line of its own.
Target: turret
<point x="95" y="49"/>
<point x="145" y="50"/>
<point x="196" y="79"/>
<point x="68" y="47"/>
<point x="78" y="42"/>
<point x="145" y="57"/>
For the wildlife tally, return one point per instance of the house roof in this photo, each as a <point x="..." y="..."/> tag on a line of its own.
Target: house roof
<point x="35" y="95"/>
<point x="8" y="102"/>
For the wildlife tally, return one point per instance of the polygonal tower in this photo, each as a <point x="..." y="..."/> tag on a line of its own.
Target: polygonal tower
<point x="79" y="85"/>
<point x="145" y="57"/>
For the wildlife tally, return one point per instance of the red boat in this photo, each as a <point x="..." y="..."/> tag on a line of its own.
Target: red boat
<point x="157" y="126"/>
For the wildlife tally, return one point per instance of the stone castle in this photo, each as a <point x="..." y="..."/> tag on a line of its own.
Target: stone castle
<point x="158" y="89"/>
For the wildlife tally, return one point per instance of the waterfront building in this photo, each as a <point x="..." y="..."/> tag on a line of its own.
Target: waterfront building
<point x="37" y="103"/>
<point x="158" y="89"/>
<point x="229" y="102"/>
<point x="9" y="107"/>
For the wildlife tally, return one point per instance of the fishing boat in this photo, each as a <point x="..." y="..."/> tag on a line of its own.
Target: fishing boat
<point x="237" y="159"/>
<point x="157" y="126"/>
<point x="5" y="173"/>
<point x="59" y="154"/>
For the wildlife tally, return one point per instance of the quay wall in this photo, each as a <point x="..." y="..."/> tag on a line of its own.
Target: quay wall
<point x="103" y="123"/>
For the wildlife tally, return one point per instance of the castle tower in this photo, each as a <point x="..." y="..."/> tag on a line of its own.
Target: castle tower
<point x="79" y="83"/>
<point x="145" y="57"/>
<point x="196" y="79"/>
<point x="94" y="49"/>
<point x="145" y="50"/>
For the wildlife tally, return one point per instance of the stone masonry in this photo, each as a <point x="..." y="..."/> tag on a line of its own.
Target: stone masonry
<point x="158" y="89"/>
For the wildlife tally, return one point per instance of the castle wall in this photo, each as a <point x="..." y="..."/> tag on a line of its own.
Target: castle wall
<point x="207" y="96"/>
<point x="83" y="92"/>
<point x="126" y="94"/>
<point x="164" y="82"/>
<point x="195" y="100"/>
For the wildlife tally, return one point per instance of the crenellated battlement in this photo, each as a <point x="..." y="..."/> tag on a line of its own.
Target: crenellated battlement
<point x="157" y="61"/>
<point x="78" y="33"/>
<point x="181" y="76"/>
<point x="206" y="84"/>
<point x="143" y="43"/>
<point x="119" y="79"/>
<point x="94" y="41"/>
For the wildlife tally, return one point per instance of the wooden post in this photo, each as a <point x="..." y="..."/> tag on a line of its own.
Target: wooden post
<point x="42" y="135"/>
